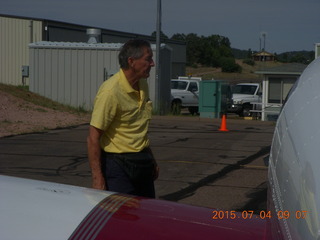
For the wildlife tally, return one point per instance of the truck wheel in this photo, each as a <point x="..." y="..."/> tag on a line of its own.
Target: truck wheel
<point x="176" y="107"/>
<point x="246" y="111"/>
<point x="193" y="110"/>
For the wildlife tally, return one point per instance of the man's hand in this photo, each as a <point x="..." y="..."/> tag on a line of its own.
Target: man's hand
<point x="98" y="182"/>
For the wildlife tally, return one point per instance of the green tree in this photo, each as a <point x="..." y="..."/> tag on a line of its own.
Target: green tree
<point x="179" y="36"/>
<point x="162" y="35"/>
<point x="249" y="55"/>
<point x="193" y="49"/>
<point x="213" y="48"/>
<point x="299" y="58"/>
<point x="207" y="51"/>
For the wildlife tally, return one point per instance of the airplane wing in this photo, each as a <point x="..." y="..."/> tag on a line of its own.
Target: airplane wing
<point x="32" y="209"/>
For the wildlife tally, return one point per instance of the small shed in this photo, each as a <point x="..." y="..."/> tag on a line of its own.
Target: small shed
<point x="71" y="73"/>
<point x="263" y="56"/>
<point x="277" y="82"/>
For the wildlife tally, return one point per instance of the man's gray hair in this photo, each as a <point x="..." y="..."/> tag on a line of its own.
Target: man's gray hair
<point x="133" y="48"/>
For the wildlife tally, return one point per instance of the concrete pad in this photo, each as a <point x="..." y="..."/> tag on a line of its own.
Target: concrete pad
<point x="199" y="165"/>
<point x="220" y="197"/>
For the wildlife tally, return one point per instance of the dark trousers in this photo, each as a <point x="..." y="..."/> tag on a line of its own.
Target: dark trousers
<point x="130" y="173"/>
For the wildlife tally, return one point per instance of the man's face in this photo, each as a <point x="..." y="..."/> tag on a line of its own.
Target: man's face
<point x="143" y="65"/>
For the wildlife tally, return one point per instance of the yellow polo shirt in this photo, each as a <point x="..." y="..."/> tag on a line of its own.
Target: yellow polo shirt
<point x="123" y="114"/>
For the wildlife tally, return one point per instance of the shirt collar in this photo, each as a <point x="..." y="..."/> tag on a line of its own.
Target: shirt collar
<point x="126" y="85"/>
<point x="124" y="82"/>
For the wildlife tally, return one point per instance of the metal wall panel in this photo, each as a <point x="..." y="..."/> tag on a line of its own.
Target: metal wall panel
<point x="72" y="73"/>
<point x="15" y="36"/>
<point x="17" y="32"/>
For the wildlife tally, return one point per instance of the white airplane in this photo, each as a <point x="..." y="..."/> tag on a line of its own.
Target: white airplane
<point x="31" y="209"/>
<point x="294" y="183"/>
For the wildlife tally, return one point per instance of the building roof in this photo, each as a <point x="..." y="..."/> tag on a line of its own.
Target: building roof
<point x="95" y="46"/>
<point x="263" y="53"/>
<point x="285" y="69"/>
<point x="85" y="27"/>
<point x="80" y="45"/>
<point x="75" y="45"/>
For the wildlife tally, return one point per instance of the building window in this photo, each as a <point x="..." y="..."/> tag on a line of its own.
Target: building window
<point x="279" y="89"/>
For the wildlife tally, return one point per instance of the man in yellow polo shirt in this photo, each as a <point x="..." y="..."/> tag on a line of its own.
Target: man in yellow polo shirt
<point x="118" y="145"/>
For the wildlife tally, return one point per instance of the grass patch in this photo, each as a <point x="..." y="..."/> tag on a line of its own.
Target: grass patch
<point x="24" y="93"/>
<point x="5" y="122"/>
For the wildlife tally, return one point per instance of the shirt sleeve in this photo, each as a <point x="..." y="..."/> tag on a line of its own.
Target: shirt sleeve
<point x="104" y="110"/>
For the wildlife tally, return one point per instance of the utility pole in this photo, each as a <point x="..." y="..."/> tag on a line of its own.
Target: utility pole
<point x="264" y="35"/>
<point x="158" y="77"/>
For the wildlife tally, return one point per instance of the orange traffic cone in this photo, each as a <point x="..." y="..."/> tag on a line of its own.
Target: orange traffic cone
<point x="223" y="126"/>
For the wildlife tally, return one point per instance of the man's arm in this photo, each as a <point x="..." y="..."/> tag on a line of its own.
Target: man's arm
<point x="94" y="155"/>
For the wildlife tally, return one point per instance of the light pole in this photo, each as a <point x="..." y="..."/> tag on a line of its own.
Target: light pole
<point x="157" y="82"/>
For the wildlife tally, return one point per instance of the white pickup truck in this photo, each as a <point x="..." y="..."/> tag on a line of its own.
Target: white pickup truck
<point x="185" y="94"/>
<point x="244" y="95"/>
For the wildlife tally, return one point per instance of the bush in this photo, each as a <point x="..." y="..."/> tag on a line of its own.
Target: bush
<point x="229" y="65"/>
<point x="249" y="62"/>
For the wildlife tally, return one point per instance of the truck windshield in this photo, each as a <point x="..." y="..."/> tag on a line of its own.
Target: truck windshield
<point x="244" y="89"/>
<point x="181" y="85"/>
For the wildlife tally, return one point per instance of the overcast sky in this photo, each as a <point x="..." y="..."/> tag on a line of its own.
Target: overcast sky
<point x="289" y="25"/>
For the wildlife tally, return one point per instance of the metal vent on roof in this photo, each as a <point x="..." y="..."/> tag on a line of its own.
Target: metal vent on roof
<point x="94" y="35"/>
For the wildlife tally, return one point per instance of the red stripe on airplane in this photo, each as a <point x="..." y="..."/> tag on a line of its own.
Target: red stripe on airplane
<point x="140" y="218"/>
<point x="98" y="217"/>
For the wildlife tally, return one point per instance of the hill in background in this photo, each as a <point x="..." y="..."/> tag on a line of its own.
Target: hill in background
<point x="293" y="56"/>
<point x="247" y="74"/>
<point x="248" y="70"/>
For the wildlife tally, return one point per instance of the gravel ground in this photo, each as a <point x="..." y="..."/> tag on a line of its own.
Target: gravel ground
<point x="18" y="116"/>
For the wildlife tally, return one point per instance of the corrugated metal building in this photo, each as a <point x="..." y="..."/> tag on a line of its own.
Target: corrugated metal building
<point x="71" y="73"/>
<point x="15" y="36"/>
<point x="17" y="32"/>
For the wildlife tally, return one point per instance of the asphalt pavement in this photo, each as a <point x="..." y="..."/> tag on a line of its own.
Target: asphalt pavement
<point x="199" y="165"/>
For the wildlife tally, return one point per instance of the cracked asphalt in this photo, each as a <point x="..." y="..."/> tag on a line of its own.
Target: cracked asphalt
<point x="199" y="165"/>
